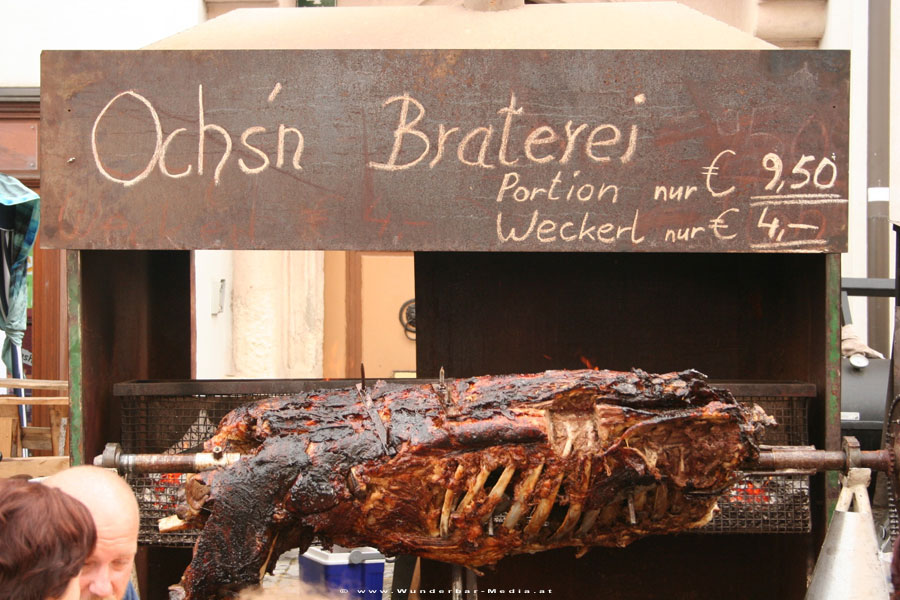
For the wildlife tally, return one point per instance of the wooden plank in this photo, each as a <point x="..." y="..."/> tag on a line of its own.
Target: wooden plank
<point x="10" y="441"/>
<point x="18" y="145"/>
<point x="41" y="466"/>
<point x="59" y="431"/>
<point x="34" y="384"/>
<point x="34" y="400"/>
<point x="49" y="322"/>
<point x="552" y="150"/>
<point x="36" y="438"/>
<point x="49" y="331"/>
<point x="7" y="427"/>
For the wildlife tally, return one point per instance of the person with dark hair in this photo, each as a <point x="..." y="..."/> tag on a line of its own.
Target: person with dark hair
<point x="46" y="536"/>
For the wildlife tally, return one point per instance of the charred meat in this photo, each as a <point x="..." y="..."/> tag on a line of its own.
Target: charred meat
<point x="467" y="471"/>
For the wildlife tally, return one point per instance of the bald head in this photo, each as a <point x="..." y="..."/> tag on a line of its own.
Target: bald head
<point x="115" y="511"/>
<point x="106" y="495"/>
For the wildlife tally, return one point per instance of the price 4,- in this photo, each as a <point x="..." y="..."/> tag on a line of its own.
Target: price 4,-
<point x="776" y="228"/>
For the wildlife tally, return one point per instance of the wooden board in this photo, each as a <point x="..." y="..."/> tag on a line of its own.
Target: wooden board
<point x="512" y="150"/>
<point x="7" y="435"/>
<point x="34" y="384"/>
<point x="35" y="467"/>
<point x="34" y="400"/>
<point x="59" y="430"/>
<point x="36" y="438"/>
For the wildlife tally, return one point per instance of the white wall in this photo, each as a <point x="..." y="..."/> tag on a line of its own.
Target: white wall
<point x="847" y="28"/>
<point x="270" y="322"/>
<point x="277" y="304"/>
<point x="895" y="114"/>
<point x="29" y="26"/>
<point x="213" y="322"/>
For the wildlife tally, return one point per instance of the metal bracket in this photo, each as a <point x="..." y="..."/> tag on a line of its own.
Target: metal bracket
<point x="850" y="446"/>
<point x="443" y="392"/>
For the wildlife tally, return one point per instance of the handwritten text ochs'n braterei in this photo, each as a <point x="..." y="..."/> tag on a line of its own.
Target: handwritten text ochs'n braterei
<point x="487" y="147"/>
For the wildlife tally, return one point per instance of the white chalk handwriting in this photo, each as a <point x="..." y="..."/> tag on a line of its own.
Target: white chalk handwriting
<point x="598" y="143"/>
<point x="163" y="142"/>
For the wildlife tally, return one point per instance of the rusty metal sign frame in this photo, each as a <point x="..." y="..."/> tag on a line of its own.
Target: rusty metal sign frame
<point x="485" y="150"/>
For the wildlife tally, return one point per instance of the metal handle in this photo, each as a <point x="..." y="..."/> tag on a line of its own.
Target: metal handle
<point x="114" y="458"/>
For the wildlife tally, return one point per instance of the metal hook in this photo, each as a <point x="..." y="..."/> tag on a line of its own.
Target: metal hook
<point x="362" y="375"/>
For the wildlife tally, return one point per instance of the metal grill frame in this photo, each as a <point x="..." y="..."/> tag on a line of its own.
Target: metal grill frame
<point x="766" y="502"/>
<point x="178" y="416"/>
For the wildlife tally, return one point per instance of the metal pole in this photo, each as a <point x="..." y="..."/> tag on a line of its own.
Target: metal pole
<point x="878" y="223"/>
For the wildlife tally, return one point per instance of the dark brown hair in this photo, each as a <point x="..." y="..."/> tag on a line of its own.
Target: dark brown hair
<point x="45" y="538"/>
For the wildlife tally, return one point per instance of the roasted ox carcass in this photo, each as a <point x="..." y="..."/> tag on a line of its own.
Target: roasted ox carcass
<point x="465" y="471"/>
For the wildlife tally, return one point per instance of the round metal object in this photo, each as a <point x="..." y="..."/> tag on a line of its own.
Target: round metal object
<point x="859" y="361"/>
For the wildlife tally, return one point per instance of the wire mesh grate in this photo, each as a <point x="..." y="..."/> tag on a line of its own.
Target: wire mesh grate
<point x="158" y="495"/>
<point x="169" y="425"/>
<point x="789" y="412"/>
<point x="764" y="504"/>
<point x="173" y="424"/>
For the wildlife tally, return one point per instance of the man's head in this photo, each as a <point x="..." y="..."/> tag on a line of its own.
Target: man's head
<point x="114" y="508"/>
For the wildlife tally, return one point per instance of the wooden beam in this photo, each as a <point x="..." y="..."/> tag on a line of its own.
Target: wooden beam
<point x="34" y="384"/>
<point x="34" y="400"/>
<point x="353" y="307"/>
<point x="41" y="466"/>
<point x="59" y="431"/>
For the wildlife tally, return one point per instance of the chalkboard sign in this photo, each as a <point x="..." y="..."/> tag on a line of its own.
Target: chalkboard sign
<point x="508" y="150"/>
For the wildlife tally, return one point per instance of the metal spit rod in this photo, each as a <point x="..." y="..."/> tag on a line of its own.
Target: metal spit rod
<point x="850" y="456"/>
<point x="114" y="458"/>
<point x="771" y="458"/>
<point x="821" y="460"/>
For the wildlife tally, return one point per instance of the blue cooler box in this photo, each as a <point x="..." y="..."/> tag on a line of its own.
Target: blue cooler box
<point x="360" y="571"/>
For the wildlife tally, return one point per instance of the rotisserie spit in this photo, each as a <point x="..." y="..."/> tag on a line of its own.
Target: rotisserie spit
<point x="465" y="471"/>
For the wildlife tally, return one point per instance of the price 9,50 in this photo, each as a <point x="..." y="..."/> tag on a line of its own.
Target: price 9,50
<point x="823" y="177"/>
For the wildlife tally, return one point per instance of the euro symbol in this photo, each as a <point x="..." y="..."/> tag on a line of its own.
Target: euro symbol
<point x="712" y="170"/>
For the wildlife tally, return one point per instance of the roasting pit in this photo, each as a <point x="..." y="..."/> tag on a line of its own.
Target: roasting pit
<point x="175" y="417"/>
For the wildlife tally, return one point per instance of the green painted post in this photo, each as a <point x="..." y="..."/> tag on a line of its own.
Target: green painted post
<point x="76" y="399"/>
<point x="832" y="373"/>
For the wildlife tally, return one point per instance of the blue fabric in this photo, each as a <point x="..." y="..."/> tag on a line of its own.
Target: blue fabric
<point x="130" y="593"/>
<point x="21" y="234"/>
<point x="13" y="191"/>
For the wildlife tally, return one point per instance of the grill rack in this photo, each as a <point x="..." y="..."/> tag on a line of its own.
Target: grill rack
<point x="169" y="417"/>
<point x="169" y="425"/>
<point x="764" y="504"/>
